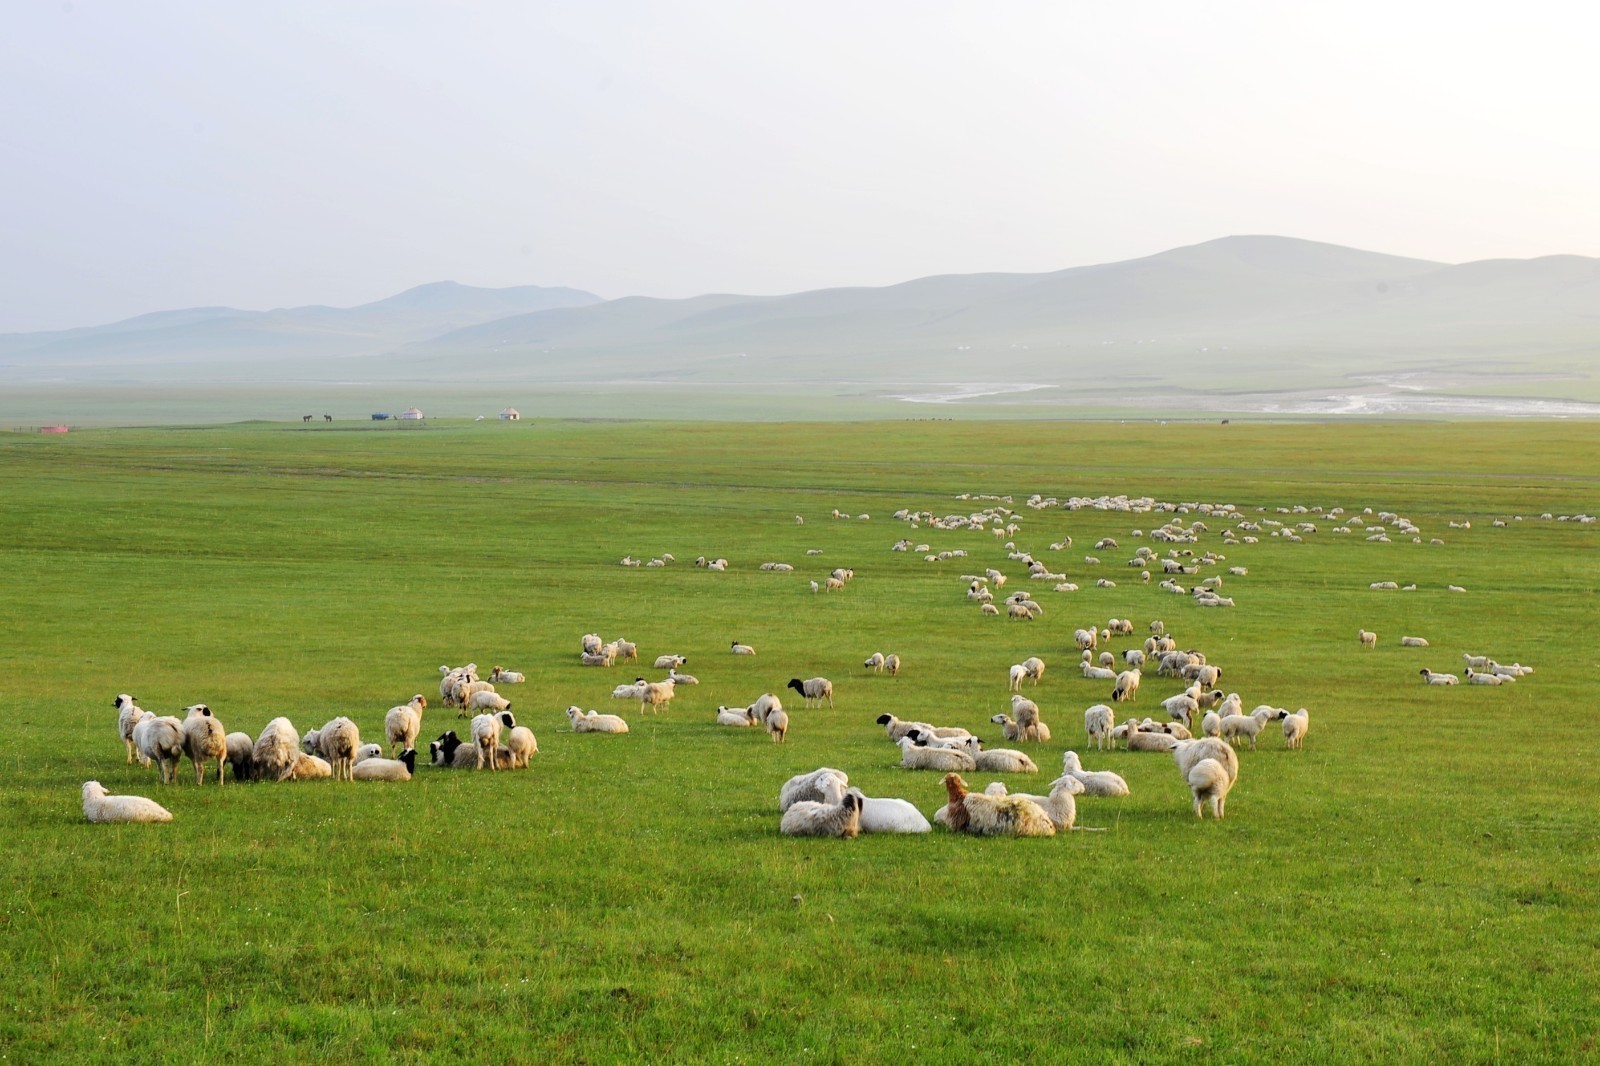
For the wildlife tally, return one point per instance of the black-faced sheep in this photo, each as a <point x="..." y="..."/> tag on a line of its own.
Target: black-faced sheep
<point x="204" y="741"/>
<point x="814" y="690"/>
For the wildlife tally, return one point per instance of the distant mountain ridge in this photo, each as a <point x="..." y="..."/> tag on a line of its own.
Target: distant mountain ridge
<point x="1246" y="313"/>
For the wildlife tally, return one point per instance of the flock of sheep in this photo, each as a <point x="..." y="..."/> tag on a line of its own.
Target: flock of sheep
<point x="822" y="802"/>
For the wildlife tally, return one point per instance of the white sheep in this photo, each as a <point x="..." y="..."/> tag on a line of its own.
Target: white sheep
<point x="914" y="757"/>
<point x="1211" y="725"/>
<point x="1234" y="726"/>
<point x="308" y="768"/>
<point x="891" y="665"/>
<point x="1094" y="782"/>
<point x="1431" y="678"/>
<point x="240" y="755"/>
<point x="1413" y="642"/>
<point x="1295" y="727"/>
<point x="736" y="716"/>
<point x="128" y="715"/>
<point x="204" y="741"/>
<point x="822" y="785"/>
<point x="741" y="649"/>
<point x="814" y="690"/>
<point x="277" y="750"/>
<point x="522" y="746"/>
<point x="1092" y="672"/>
<point x="1059" y="806"/>
<point x="159" y="739"/>
<point x="1210" y="768"/>
<point x="486" y="735"/>
<point x="591" y="643"/>
<point x="777" y="722"/>
<point x="671" y="662"/>
<point x="1476" y="678"/>
<point x="889" y="815"/>
<point x="336" y="742"/>
<point x="402" y="724"/>
<point x="1098" y="722"/>
<point x="100" y="807"/>
<point x="999" y="760"/>
<point x="1137" y="740"/>
<point x="629" y="692"/>
<point x="595" y="723"/>
<point x="501" y="676"/>
<point x="875" y="662"/>
<point x="1127" y="686"/>
<point x="655" y="694"/>
<point x="811" y="819"/>
<point x="897" y="728"/>
<point x="376" y="768"/>
<point x="982" y="814"/>
<point x="1016" y="675"/>
<point x="1368" y="638"/>
<point x="929" y="739"/>
<point x="1033" y="668"/>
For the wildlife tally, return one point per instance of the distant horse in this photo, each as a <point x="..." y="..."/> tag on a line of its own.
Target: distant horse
<point x="305" y="418"/>
<point x="327" y="418"/>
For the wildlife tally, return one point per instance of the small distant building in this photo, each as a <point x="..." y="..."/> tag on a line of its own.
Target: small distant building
<point x="52" y="429"/>
<point x="510" y="414"/>
<point x="410" y="414"/>
<point x="381" y="416"/>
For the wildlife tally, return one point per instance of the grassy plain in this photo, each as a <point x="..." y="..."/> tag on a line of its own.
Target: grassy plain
<point x="1417" y="884"/>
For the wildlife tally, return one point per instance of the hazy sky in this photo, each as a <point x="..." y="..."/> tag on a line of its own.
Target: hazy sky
<point x="161" y="154"/>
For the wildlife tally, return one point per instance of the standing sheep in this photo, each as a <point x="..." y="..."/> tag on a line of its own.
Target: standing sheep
<point x="1295" y="727"/>
<point x="486" y="735"/>
<point x="241" y="755"/>
<point x="814" y="690"/>
<point x="402" y="724"/>
<point x="655" y="694"/>
<point x="1098" y="721"/>
<point x="1127" y="687"/>
<point x="204" y="740"/>
<point x="128" y="714"/>
<point x="336" y="742"/>
<point x="522" y="746"/>
<point x="277" y="750"/>
<point x="159" y="739"/>
<point x="1029" y="725"/>
<point x="1368" y="639"/>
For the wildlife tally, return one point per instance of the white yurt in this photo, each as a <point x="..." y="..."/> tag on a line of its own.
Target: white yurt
<point x="510" y="414"/>
<point x="411" y="414"/>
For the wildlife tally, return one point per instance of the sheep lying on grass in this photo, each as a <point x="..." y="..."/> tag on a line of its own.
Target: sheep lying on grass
<point x="1438" y="679"/>
<point x="811" y="819"/>
<point x="1095" y="782"/>
<point x="736" y="716"/>
<point x="913" y="757"/>
<point x="1059" y="806"/>
<point x="889" y="815"/>
<point x="984" y="815"/>
<point x="595" y="723"/>
<point x="822" y="785"/>
<point x="376" y="768"/>
<point x="100" y="807"/>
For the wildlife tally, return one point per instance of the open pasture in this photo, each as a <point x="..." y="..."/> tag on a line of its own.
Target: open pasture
<point x="1417" y="883"/>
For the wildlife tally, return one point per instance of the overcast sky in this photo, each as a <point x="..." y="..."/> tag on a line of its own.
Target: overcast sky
<point x="164" y="154"/>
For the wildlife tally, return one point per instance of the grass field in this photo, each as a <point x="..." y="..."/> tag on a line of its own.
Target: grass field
<point x="1417" y="884"/>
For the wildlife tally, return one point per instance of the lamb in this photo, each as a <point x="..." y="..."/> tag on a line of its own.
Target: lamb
<point x="522" y="746"/>
<point x="1127" y="687"/>
<point x="240" y="755"/>
<point x="814" y="690"/>
<point x="1135" y="740"/>
<point x="985" y="815"/>
<point x="501" y="676"/>
<point x="1295" y="727"/>
<point x="999" y="760"/>
<point x="875" y="662"/>
<point x="277" y="750"/>
<point x="913" y="757"/>
<point x="627" y="649"/>
<point x="811" y="819"/>
<point x="1098" y="722"/>
<point x="128" y="715"/>
<point x="402" y="724"/>
<point x="204" y="740"/>
<point x="159" y="739"/>
<point x="1017" y="673"/>
<point x="655" y="694"/>
<point x="486" y="735"/>
<point x="1368" y="638"/>
<point x="736" y="716"/>
<point x="741" y="649"/>
<point x="464" y="693"/>
<point x="486" y="701"/>
<point x="670" y="662"/>
<point x="100" y="807"/>
<point x="1094" y="782"/>
<point x="374" y="768"/>
<point x="1234" y="726"/>
<point x="595" y="723"/>
<point x="822" y="785"/>
<point x="1413" y="642"/>
<point x="889" y="815"/>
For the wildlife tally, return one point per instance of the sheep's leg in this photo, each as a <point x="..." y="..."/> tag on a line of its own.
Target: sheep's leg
<point x="220" y="759"/>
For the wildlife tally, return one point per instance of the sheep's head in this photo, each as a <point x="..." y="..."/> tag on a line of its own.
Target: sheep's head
<point x="885" y="719"/>
<point x="507" y="720"/>
<point x="955" y="786"/>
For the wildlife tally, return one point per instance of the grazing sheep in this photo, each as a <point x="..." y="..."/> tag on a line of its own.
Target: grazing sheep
<point x="764" y="704"/>
<point x="1027" y="716"/>
<point x="889" y="815"/>
<point x="1016" y="675"/>
<point x="204" y="740"/>
<point x="914" y="757"/>
<point x="1189" y="752"/>
<point x="402" y="724"/>
<point x="1295" y="727"/>
<point x="336" y="742"/>
<point x="1033" y="668"/>
<point x="736" y="716"/>
<point x="522" y="745"/>
<point x="1234" y="726"/>
<point x="983" y="815"/>
<point x="277" y="750"/>
<point x="875" y="662"/>
<point x="777" y="723"/>
<point x="595" y="723"/>
<point x="814" y="690"/>
<point x="655" y="694"/>
<point x="1413" y="642"/>
<point x="1211" y="725"/>
<point x="822" y="785"/>
<point x="1094" y="782"/>
<point x="375" y="768"/>
<point x="501" y="676"/>
<point x="1098" y="722"/>
<point x="1182" y="708"/>
<point x="1368" y="638"/>
<point x="811" y="819"/>
<point x="1209" y="782"/>
<point x="128" y="715"/>
<point x="159" y="739"/>
<point x="100" y="807"/>
<point x="1136" y="740"/>
<point x="486" y="735"/>
<point x="1127" y="687"/>
<point x="891" y="665"/>
<point x="240" y="755"/>
<point x="741" y="649"/>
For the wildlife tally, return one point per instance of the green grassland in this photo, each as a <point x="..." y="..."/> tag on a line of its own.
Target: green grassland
<point x="1417" y="884"/>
